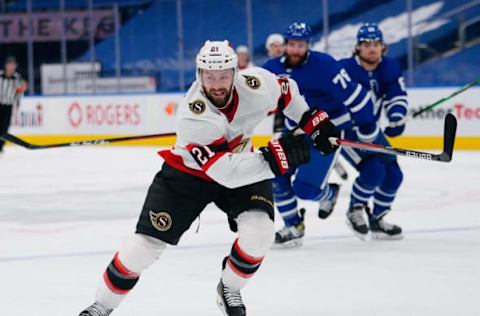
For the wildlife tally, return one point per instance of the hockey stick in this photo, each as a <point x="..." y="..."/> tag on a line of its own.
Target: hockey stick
<point x="417" y="113"/>
<point x="13" y="139"/>
<point x="446" y="156"/>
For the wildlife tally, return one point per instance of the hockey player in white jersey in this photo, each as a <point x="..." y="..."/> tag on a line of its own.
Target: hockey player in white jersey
<point x="213" y="161"/>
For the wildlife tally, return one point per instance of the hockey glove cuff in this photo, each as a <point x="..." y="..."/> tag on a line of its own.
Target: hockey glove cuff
<point x="397" y="128"/>
<point x="368" y="133"/>
<point x="285" y="153"/>
<point x="317" y="124"/>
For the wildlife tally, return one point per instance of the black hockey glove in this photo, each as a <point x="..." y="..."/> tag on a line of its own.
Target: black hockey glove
<point x="316" y="124"/>
<point x="286" y="152"/>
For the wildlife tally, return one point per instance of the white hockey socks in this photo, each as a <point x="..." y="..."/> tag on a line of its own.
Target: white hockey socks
<point x="255" y="236"/>
<point x="123" y="272"/>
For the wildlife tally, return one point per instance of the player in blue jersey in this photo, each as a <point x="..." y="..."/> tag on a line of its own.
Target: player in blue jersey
<point x="324" y="84"/>
<point x="379" y="175"/>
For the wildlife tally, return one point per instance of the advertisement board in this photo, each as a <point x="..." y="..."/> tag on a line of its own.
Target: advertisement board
<point x="46" y="119"/>
<point x="466" y="107"/>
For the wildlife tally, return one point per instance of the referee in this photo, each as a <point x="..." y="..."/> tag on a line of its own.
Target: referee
<point x="11" y="89"/>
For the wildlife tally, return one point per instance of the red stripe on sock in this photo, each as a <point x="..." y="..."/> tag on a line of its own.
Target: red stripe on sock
<point x="112" y="287"/>
<point x="122" y="269"/>
<point x="238" y="272"/>
<point x="244" y="255"/>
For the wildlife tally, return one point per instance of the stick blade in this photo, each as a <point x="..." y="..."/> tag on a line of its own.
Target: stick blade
<point x="450" y="130"/>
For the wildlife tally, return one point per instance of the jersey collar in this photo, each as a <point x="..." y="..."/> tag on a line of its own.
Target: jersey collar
<point x="230" y="110"/>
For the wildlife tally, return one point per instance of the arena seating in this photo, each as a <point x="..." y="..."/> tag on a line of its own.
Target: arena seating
<point x="149" y="39"/>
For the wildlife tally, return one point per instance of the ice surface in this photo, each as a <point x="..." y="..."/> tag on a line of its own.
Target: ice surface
<point x="63" y="212"/>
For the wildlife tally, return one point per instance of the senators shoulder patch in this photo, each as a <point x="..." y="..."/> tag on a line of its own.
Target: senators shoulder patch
<point x="253" y="82"/>
<point x="197" y="106"/>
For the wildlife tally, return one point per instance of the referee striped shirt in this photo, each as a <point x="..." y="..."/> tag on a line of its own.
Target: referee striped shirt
<point x="8" y="88"/>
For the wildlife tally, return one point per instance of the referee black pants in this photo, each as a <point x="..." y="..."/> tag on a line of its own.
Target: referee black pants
<point x="5" y="117"/>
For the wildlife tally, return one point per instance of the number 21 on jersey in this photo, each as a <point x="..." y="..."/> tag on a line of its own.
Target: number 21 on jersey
<point x="202" y="154"/>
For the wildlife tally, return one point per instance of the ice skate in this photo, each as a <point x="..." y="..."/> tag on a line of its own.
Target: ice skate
<point x="230" y="301"/>
<point x="380" y="229"/>
<point x="356" y="221"/>
<point x="96" y="309"/>
<point x="326" y="207"/>
<point x="291" y="236"/>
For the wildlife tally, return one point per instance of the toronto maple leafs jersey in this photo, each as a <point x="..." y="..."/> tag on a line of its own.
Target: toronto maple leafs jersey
<point x="386" y="85"/>
<point x="325" y="84"/>
<point x="215" y="144"/>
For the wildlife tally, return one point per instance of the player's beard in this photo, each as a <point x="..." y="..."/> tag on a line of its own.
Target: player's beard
<point x="296" y="59"/>
<point x="372" y="59"/>
<point x="219" y="97"/>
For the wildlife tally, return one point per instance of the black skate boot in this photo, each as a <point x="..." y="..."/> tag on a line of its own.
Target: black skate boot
<point x="356" y="222"/>
<point x="96" y="309"/>
<point x="230" y="301"/>
<point x="291" y="236"/>
<point x="326" y="207"/>
<point x="382" y="230"/>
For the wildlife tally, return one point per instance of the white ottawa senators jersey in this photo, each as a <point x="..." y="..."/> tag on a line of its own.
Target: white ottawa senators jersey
<point x="215" y="144"/>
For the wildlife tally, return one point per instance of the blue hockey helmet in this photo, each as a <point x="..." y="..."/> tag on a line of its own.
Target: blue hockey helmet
<point x="298" y="31"/>
<point x="369" y="32"/>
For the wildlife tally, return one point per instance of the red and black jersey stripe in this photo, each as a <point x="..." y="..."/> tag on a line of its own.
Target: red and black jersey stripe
<point x="204" y="155"/>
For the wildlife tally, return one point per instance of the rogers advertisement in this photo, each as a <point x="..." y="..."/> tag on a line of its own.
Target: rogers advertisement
<point x="104" y="114"/>
<point x="155" y="113"/>
<point x="96" y="115"/>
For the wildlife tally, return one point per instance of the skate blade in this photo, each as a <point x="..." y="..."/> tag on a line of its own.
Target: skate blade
<point x="362" y="237"/>
<point x="221" y="305"/>
<point x="383" y="236"/>
<point x="294" y="243"/>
